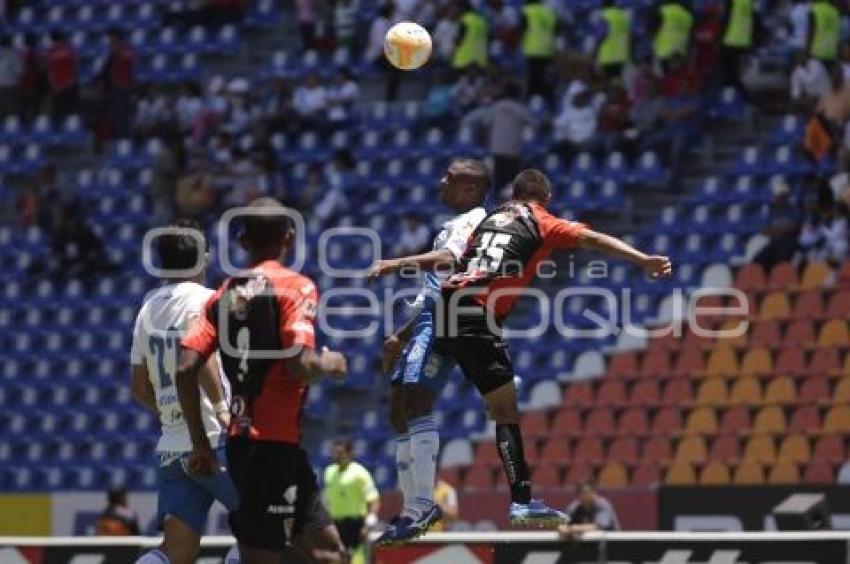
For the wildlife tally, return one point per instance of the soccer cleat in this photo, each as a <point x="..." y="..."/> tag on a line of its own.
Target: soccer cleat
<point x="536" y="512"/>
<point x="410" y="526"/>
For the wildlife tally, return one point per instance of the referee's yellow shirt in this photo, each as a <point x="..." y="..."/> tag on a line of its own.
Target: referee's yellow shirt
<point x="348" y="492"/>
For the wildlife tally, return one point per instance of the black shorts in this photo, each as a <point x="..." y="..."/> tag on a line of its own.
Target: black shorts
<point x="350" y="531"/>
<point x="278" y="493"/>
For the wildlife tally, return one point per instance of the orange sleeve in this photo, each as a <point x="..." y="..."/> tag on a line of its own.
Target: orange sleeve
<point x="202" y="336"/>
<point x="298" y="313"/>
<point x="560" y="233"/>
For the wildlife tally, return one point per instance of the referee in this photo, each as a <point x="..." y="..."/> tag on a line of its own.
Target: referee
<point x="350" y="495"/>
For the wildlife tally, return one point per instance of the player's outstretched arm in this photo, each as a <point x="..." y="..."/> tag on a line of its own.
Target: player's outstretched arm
<point x="308" y="365"/>
<point x="425" y="261"/>
<point x="210" y="381"/>
<point x="141" y="388"/>
<point x="202" y="460"/>
<point x="655" y="265"/>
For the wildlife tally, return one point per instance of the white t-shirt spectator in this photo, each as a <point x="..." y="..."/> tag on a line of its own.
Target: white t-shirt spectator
<point x="152" y="110"/>
<point x="799" y="19"/>
<point x="375" y="47"/>
<point x="810" y="80"/>
<point x="341" y="98"/>
<point x="188" y="107"/>
<point x="445" y="37"/>
<point x="309" y="101"/>
<point x="305" y="11"/>
<point x="575" y="124"/>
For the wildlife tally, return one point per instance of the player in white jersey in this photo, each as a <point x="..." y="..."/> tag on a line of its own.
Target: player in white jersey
<point x="184" y="499"/>
<point x="420" y="373"/>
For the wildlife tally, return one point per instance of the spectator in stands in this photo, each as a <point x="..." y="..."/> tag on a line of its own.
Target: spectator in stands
<point x="415" y="236"/>
<point x="505" y="21"/>
<point x="844" y="59"/>
<point x="153" y="109"/>
<point x="590" y="512"/>
<point x="680" y="77"/>
<point x="672" y="24"/>
<point x="471" y="45"/>
<point x="215" y="105"/>
<point x="738" y="40"/>
<point x="76" y="250"/>
<point x="338" y="179"/>
<point x="781" y="229"/>
<point x="834" y="106"/>
<point x="270" y="181"/>
<point x="445" y="495"/>
<point x="575" y="128"/>
<point x="824" y="234"/>
<point x="278" y="107"/>
<point x="168" y="166"/>
<point x="679" y="124"/>
<point x="61" y="61"/>
<point x="117" y="519"/>
<point x="809" y="81"/>
<point x="613" y="119"/>
<point x="437" y="108"/>
<point x="824" y="30"/>
<point x="445" y="35"/>
<point x="306" y="15"/>
<point x="798" y="20"/>
<point x="189" y="106"/>
<point x="539" y="26"/>
<point x="350" y="495"/>
<point x="10" y="76"/>
<point x="342" y="96"/>
<point x="708" y="33"/>
<point x="345" y="22"/>
<point x="237" y="118"/>
<point x="374" y="53"/>
<point x="116" y="76"/>
<point x="469" y="88"/>
<point x="641" y="80"/>
<point x="613" y="50"/>
<point x="505" y="121"/>
<point x="311" y="102"/>
<point x="32" y="80"/>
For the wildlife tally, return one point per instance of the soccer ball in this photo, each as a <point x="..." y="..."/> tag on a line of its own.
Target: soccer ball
<point x="407" y="45"/>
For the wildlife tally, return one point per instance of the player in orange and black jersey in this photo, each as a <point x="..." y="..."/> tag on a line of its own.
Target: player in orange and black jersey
<point x="500" y="261"/>
<point x="261" y="321"/>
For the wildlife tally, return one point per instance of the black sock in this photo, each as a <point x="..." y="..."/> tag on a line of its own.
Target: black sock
<point x="509" y="445"/>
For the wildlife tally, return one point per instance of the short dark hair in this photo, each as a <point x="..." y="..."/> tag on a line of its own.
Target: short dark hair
<point x="117" y="496"/>
<point x="181" y="249"/>
<point x="478" y="169"/>
<point x="586" y="485"/>
<point x="531" y="185"/>
<point x="345" y="443"/>
<point x="264" y="226"/>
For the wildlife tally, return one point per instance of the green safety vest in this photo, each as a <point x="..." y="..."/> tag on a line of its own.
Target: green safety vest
<point x="539" y="37"/>
<point x="739" y="32"/>
<point x="827" y="31"/>
<point x="615" y="48"/>
<point x="473" y="45"/>
<point x="672" y="38"/>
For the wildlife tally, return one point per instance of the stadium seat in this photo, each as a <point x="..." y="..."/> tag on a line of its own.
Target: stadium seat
<point x="644" y="393"/>
<point x="578" y="472"/>
<point x="780" y="390"/>
<point x="611" y="393"/>
<point x="633" y="422"/>
<point x="783" y="276"/>
<point x="655" y="362"/>
<point x="555" y="451"/>
<point x="691" y="450"/>
<point x="745" y="391"/>
<point x="579" y="394"/>
<point x="837" y="420"/>
<point x="748" y="473"/>
<point x="829" y="448"/>
<point x="770" y="419"/>
<point x="765" y="334"/>
<point x="666" y="420"/>
<point x="795" y="448"/>
<point x="676" y="392"/>
<point x="816" y="276"/>
<point x="808" y="305"/>
<point x="567" y="423"/>
<point x="735" y="420"/>
<point x="757" y="362"/>
<point x="624" y="450"/>
<point x="725" y="448"/>
<point x="715" y="474"/>
<point x="612" y="475"/>
<point x="535" y="425"/>
<point x="547" y="477"/>
<point x="790" y="360"/>
<point x="701" y="421"/>
<point x="645" y="475"/>
<point x="842" y="391"/>
<point x="815" y="389"/>
<point x="478" y="478"/>
<point x="824" y="360"/>
<point x="784" y="472"/>
<point x="839" y="304"/>
<point x="761" y="449"/>
<point x="834" y="334"/>
<point x="589" y="450"/>
<point x="775" y="305"/>
<point x="799" y="332"/>
<point x="680" y="474"/>
<point x="712" y="393"/>
<point x="751" y="277"/>
<point x="819" y="472"/>
<point x="722" y="362"/>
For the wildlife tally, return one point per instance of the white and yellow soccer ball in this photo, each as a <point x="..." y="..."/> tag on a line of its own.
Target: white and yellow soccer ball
<point x="407" y="45"/>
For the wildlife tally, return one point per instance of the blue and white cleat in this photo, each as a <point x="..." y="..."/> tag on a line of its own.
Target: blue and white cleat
<point x="410" y="526"/>
<point x="536" y="512"/>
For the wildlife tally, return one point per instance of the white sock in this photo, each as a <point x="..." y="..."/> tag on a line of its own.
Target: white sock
<point x="402" y="463"/>
<point x="155" y="556"/>
<point x="424" y="448"/>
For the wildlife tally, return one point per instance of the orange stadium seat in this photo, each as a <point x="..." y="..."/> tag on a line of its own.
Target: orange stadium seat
<point x="770" y="419"/>
<point x="667" y="420"/>
<point x="765" y="333"/>
<point x="815" y="389"/>
<point x="478" y="478"/>
<point x="751" y="277"/>
<point x="846" y="369"/>
<point x="547" y="476"/>
<point x="625" y="450"/>
<point x="588" y="450"/>
<point x="715" y="474"/>
<point x="689" y="362"/>
<point x="567" y="423"/>
<point x="834" y="334"/>
<point x="623" y="365"/>
<point x="780" y="390"/>
<point x="691" y="450"/>
<point x="677" y="392"/>
<point x="680" y="475"/>
<point x="808" y="305"/>
<point x="600" y="421"/>
<point x="839" y="304"/>
<point x="579" y="394"/>
<point x="741" y="341"/>
<point x="800" y="332"/>
<point x="646" y="475"/>
<point x="830" y="448"/>
<point x="761" y="449"/>
<point x="825" y="360"/>
<point x="611" y="393"/>
<point x="535" y="424"/>
<point x="657" y="450"/>
<point x="722" y="362"/>
<point x="790" y="360"/>
<point x="819" y="472"/>
<point x="645" y="393"/>
<point x="725" y="448"/>
<point x="633" y="422"/>
<point x="735" y="420"/>
<point x="701" y="421"/>
<point x="842" y="391"/>
<point x="712" y="392"/>
<point x="795" y="448"/>
<point x="577" y="473"/>
<point x="816" y="275"/>
<point x="805" y="419"/>
<point x="745" y="391"/>
<point x="655" y="363"/>
<point x="775" y="305"/>
<point x="555" y="451"/>
<point x="748" y="474"/>
<point x="783" y="276"/>
<point x="837" y="419"/>
<point x="757" y="362"/>
<point x="613" y="475"/>
<point x="784" y="472"/>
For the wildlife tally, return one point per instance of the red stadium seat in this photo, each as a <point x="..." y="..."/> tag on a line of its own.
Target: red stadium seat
<point x="819" y="472"/>
<point x="646" y="475"/>
<point x="765" y="334"/>
<point x="555" y="452"/>
<point x="655" y="363"/>
<point x="657" y="450"/>
<point x="623" y="365"/>
<point x="805" y="419"/>
<point x="478" y="478"/>
<point x="645" y="393"/>
<point x="790" y="361"/>
<point x="600" y="422"/>
<point x="830" y="448"/>
<point x="815" y="389"/>
<point x="808" y="305"/>
<point x="825" y="360"/>
<point x="624" y="450"/>
<point x="839" y="304"/>
<point x="783" y="276"/>
<point x="633" y="422"/>
<point x="799" y="332"/>
<point x="486" y="455"/>
<point x="547" y="476"/>
<point x="567" y="423"/>
<point x="751" y="277"/>
<point x="735" y="420"/>
<point x="725" y="448"/>
<point x="689" y="362"/>
<point x="677" y="392"/>
<point x="589" y="450"/>
<point x="667" y="420"/>
<point x="611" y="393"/>
<point x="578" y="473"/>
<point x="579" y="394"/>
<point x="844" y="275"/>
<point x="532" y="452"/>
<point x="535" y="425"/>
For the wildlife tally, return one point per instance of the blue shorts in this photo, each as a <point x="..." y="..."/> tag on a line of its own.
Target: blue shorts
<point x="189" y="497"/>
<point x="418" y="364"/>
